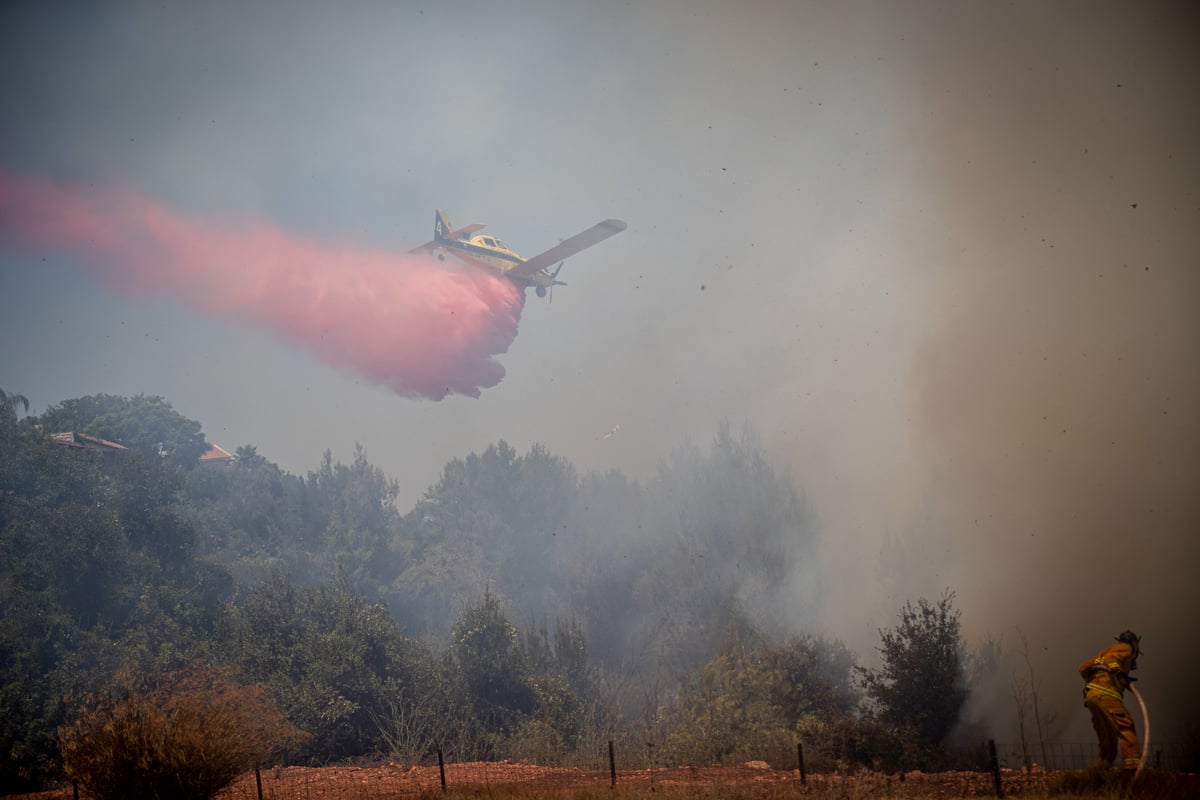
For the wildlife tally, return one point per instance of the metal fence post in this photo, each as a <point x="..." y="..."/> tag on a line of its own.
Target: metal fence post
<point x="995" y="767"/>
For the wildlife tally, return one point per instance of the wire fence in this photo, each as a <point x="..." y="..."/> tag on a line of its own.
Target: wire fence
<point x="1169" y="756"/>
<point x="390" y="780"/>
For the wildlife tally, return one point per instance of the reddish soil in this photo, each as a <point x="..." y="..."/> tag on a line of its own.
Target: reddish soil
<point x="754" y="779"/>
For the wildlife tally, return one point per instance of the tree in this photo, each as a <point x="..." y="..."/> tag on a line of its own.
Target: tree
<point x="148" y="497"/>
<point x="8" y="407"/>
<point x="488" y="650"/>
<point x="819" y="676"/>
<point x="148" y="424"/>
<point x="754" y="696"/>
<point x="729" y="709"/>
<point x="730" y="531"/>
<point x="96" y="568"/>
<point x="255" y="517"/>
<point x="248" y="454"/>
<point x="498" y="693"/>
<point x="493" y="519"/>
<point x="1028" y="691"/>
<point x="334" y="662"/>
<point x="353" y="507"/>
<point x="564" y="686"/>
<point x="920" y="690"/>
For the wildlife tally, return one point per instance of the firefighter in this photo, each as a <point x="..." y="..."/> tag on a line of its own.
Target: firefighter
<point x="1107" y="677"/>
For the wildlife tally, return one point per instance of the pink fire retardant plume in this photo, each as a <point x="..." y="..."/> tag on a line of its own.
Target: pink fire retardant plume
<point x="420" y="327"/>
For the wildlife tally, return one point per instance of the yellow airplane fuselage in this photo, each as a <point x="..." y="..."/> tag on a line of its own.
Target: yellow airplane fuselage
<point x="491" y="253"/>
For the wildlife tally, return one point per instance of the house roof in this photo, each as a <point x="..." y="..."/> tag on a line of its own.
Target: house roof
<point x="216" y="454"/>
<point x="85" y="441"/>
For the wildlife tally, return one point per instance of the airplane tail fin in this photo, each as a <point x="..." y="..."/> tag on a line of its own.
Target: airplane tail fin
<point x="441" y="225"/>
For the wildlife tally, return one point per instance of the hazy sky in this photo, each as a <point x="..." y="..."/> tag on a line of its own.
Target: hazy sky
<point x="941" y="256"/>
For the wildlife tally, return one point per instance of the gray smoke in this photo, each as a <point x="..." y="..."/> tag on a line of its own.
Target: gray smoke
<point x="1058" y="387"/>
<point x="941" y="256"/>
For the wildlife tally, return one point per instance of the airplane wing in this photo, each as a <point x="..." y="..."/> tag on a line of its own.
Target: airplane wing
<point x="464" y="231"/>
<point x="593" y="235"/>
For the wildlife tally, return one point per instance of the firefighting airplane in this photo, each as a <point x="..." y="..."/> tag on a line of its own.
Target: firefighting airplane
<point x="491" y="253"/>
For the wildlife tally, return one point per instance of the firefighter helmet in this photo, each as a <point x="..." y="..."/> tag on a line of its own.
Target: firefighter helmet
<point x="1130" y="638"/>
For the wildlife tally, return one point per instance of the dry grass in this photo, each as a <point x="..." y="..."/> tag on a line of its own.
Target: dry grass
<point x="506" y="781"/>
<point x="184" y="738"/>
<point x="1109" y="783"/>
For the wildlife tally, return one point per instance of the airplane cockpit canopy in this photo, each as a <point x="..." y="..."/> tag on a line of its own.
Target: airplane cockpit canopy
<point x="491" y="241"/>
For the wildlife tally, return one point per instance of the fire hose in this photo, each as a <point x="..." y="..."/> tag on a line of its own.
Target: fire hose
<point x="1145" y="731"/>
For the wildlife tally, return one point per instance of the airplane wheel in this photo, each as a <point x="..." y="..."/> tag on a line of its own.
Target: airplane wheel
<point x="441" y="256"/>
<point x="541" y="291"/>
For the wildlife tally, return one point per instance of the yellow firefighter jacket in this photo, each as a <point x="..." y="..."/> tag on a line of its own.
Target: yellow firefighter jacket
<point x="1108" y="672"/>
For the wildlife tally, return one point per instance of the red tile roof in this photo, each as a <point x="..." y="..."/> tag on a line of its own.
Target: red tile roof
<point x="216" y="454"/>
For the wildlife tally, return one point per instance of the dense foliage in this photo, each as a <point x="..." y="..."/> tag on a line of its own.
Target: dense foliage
<point x="334" y="662"/>
<point x="920" y="689"/>
<point x="518" y="610"/>
<point x="97" y="571"/>
<point x="753" y="700"/>
<point x="147" y="424"/>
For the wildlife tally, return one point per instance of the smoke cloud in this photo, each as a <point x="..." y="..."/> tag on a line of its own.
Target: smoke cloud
<point x="416" y="326"/>
<point x="1057" y="387"/>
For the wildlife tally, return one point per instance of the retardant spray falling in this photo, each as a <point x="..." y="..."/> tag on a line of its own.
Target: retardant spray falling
<point x="419" y="327"/>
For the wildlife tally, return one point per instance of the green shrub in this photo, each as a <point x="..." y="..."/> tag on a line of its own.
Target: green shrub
<point x="849" y="742"/>
<point x="184" y="738"/>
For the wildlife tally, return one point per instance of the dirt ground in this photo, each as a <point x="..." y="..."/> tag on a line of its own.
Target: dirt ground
<point x="753" y="779"/>
<point x="295" y="783"/>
